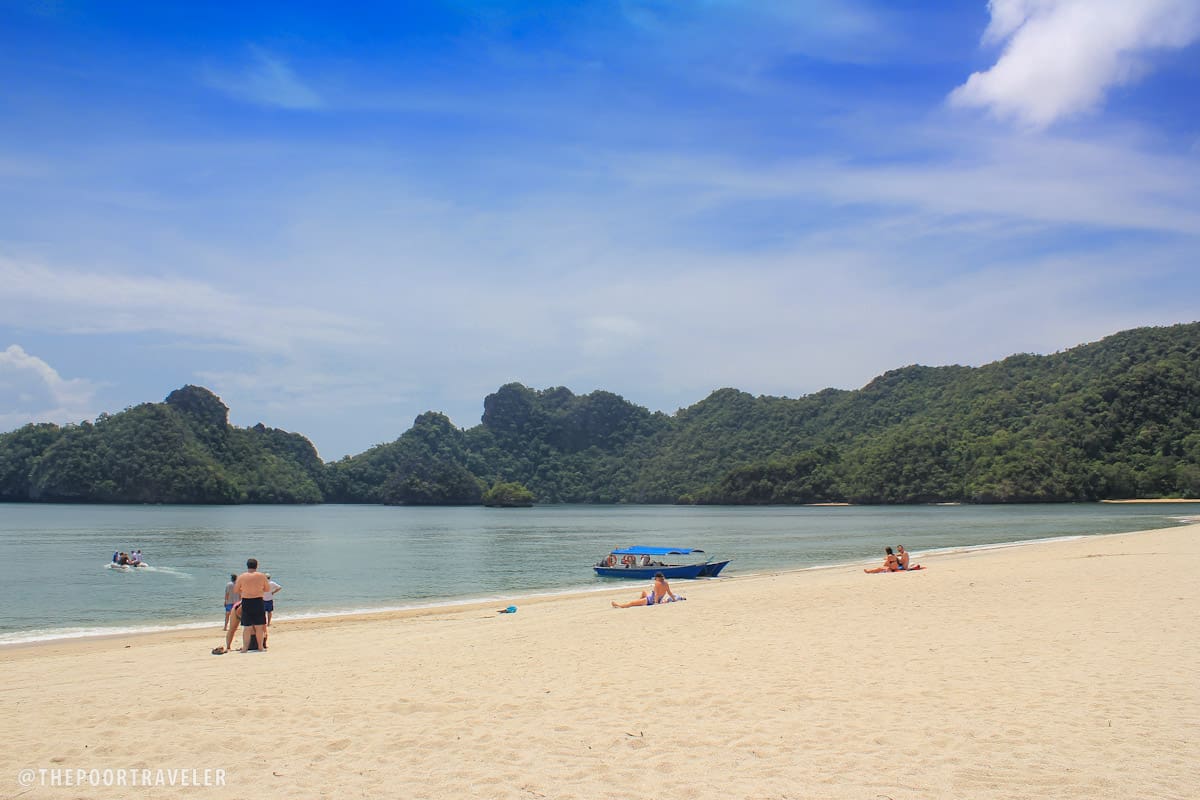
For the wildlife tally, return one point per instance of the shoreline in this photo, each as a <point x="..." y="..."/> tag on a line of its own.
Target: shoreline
<point x="995" y="674"/>
<point x="446" y="605"/>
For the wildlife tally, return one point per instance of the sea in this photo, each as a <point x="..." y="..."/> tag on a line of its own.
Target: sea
<point x="336" y="559"/>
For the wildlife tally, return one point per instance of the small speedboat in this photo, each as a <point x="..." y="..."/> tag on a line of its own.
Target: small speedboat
<point x="645" y="562"/>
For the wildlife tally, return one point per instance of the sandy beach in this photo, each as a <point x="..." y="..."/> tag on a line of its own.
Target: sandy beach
<point x="1062" y="669"/>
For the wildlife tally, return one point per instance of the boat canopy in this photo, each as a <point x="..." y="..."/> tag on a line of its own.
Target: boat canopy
<point x="638" y="550"/>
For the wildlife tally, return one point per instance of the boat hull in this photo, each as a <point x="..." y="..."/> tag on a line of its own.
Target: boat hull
<point x="711" y="570"/>
<point x="647" y="573"/>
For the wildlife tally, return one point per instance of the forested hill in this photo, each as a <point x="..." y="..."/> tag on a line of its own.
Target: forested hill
<point x="182" y="450"/>
<point x="1115" y="419"/>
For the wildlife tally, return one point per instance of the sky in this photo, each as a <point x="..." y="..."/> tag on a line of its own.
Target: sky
<point x="339" y="216"/>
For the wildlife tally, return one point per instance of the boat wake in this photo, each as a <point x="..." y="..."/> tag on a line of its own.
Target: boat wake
<point x="161" y="570"/>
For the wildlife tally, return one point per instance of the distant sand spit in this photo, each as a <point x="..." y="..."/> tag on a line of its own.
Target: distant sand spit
<point x="1155" y="500"/>
<point x="1063" y="669"/>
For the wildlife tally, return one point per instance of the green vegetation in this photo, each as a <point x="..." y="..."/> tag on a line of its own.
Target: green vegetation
<point x="180" y="451"/>
<point x="508" y="495"/>
<point x="1119" y="418"/>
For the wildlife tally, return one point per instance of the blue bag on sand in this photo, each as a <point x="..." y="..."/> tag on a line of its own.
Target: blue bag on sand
<point x="509" y="610"/>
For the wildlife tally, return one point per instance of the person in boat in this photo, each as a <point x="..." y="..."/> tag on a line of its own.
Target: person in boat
<point x="123" y="560"/>
<point x="890" y="563"/>
<point x="659" y="593"/>
<point x="628" y="560"/>
<point x="902" y="559"/>
<point x="135" y="558"/>
<point x="116" y="556"/>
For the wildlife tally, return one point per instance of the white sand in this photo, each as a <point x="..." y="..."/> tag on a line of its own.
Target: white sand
<point x="1055" y="670"/>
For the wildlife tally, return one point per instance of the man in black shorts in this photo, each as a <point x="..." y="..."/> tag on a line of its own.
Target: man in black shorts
<point x="251" y="585"/>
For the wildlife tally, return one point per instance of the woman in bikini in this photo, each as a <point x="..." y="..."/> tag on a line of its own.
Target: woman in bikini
<point x="660" y="592"/>
<point x="235" y="620"/>
<point x="890" y="563"/>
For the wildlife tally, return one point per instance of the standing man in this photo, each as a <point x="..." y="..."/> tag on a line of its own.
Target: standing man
<point x="273" y="589"/>
<point x="231" y="597"/>
<point x="251" y="585"/>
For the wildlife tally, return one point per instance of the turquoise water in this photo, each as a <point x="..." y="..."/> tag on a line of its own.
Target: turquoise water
<point x="334" y="558"/>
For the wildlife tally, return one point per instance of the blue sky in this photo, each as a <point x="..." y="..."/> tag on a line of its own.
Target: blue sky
<point x="338" y="218"/>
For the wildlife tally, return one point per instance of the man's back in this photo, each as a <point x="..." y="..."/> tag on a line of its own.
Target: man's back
<point x="251" y="584"/>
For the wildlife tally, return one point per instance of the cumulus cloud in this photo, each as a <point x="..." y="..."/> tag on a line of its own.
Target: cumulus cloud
<point x="267" y="80"/>
<point x="1061" y="57"/>
<point x="32" y="391"/>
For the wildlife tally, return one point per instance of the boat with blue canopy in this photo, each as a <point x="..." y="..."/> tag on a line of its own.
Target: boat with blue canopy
<point x="641" y="562"/>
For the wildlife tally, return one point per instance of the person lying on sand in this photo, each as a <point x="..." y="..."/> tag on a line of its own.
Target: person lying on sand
<point x="890" y="563"/>
<point x="659" y="593"/>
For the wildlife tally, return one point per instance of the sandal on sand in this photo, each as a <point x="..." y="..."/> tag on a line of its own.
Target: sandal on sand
<point x="218" y="651"/>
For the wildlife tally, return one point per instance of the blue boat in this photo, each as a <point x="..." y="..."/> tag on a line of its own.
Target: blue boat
<point x="643" y="563"/>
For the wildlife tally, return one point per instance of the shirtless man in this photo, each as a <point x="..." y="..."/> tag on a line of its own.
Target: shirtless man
<point x="902" y="559"/>
<point x="251" y="585"/>
<point x="658" y="594"/>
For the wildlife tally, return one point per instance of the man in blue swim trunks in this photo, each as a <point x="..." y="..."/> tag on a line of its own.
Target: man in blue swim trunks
<point x="231" y="597"/>
<point x="659" y="593"/>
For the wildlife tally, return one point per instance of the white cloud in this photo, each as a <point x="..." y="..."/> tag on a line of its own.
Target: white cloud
<point x="1037" y="180"/>
<point x="267" y="80"/>
<point x="37" y="297"/>
<point x="606" y="336"/>
<point x="32" y="391"/>
<point x="1061" y="57"/>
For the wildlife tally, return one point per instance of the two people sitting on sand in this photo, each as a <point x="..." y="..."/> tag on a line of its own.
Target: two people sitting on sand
<point x="894" y="562"/>
<point x="659" y="593"/>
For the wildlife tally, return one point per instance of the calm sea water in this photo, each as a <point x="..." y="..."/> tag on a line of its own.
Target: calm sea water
<point x="332" y="558"/>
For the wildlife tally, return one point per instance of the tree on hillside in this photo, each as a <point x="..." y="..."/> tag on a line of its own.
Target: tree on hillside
<point x="508" y="495"/>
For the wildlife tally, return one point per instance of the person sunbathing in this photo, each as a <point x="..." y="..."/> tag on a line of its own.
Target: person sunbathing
<point x="659" y="593"/>
<point x="902" y="559"/>
<point x="890" y="564"/>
